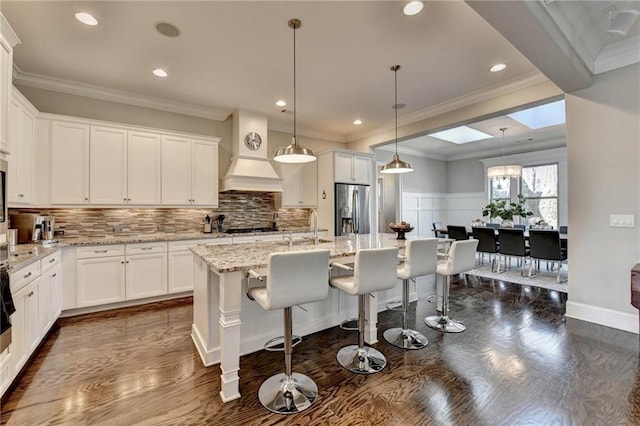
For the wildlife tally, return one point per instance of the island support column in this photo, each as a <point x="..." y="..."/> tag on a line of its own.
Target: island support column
<point x="230" y="306"/>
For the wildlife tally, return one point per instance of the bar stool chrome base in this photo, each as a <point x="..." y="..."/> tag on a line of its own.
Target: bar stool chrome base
<point x="282" y="396"/>
<point x="364" y="360"/>
<point x="444" y="324"/>
<point x="405" y="339"/>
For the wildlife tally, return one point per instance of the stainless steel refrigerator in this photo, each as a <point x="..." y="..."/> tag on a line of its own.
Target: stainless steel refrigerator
<point x="352" y="209"/>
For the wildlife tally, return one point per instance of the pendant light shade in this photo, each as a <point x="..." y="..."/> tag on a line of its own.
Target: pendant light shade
<point x="504" y="171"/>
<point x="294" y="153"/>
<point x="396" y="165"/>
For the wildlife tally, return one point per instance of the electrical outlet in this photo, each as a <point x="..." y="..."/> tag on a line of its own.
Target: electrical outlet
<point x="622" y="220"/>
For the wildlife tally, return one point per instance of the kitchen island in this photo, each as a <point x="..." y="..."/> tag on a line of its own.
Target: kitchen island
<point x="227" y="324"/>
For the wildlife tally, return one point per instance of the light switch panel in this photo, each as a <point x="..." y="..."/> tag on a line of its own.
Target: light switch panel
<point x="622" y="220"/>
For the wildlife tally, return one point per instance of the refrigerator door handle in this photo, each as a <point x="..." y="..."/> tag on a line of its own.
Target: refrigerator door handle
<point x="354" y="203"/>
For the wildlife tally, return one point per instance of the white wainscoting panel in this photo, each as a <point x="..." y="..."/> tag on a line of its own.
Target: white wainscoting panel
<point x="422" y="209"/>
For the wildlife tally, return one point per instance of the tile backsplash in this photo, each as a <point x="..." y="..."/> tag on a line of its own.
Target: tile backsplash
<point x="241" y="210"/>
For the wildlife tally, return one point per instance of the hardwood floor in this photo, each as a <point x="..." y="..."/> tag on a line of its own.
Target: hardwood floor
<point x="519" y="362"/>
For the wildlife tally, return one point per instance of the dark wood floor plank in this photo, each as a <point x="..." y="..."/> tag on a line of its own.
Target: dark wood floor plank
<point x="519" y="362"/>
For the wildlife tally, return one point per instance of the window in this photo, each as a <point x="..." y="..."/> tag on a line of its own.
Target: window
<point x="539" y="186"/>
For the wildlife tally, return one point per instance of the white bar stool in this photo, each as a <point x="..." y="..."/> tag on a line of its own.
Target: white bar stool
<point x="374" y="270"/>
<point x="292" y="279"/>
<point x="421" y="258"/>
<point x="461" y="258"/>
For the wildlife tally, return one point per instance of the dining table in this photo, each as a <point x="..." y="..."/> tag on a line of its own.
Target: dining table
<point x="563" y="237"/>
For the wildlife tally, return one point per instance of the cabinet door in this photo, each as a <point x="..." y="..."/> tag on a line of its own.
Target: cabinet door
<point x="18" y="347"/>
<point x="54" y="278"/>
<point x="204" y="177"/>
<point x="5" y="89"/>
<point x="32" y="321"/>
<point x="176" y="170"/>
<point x="309" y="185"/>
<point x="146" y="275"/>
<point x="362" y="169"/>
<point x="13" y="127"/>
<point x="108" y="165"/>
<point x="44" y="316"/>
<point x="291" y="175"/>
<point x="20" y="135"/>
<point x="143" y="168"/>
<point x="100" y="280"/>
<point x="69" y="163"/>
<point x="180" y="271"/>
<point x="343" y="167"/>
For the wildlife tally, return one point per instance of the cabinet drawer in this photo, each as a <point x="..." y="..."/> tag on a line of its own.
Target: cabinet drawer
<point x="99" y="251"/>
<point x="186" y="244"/>
<point x="21" y="277"/>
<point x="50" y="261"/>
<point x="146" y="248"/>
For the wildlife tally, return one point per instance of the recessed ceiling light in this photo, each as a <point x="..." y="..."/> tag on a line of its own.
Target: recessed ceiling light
<point x="159" y="72"/>
<point x="86" y="18"/>
<point x="497" y="67"/>
<point x="357" y="122"/>
<point x="460" y="135"/>
<point x="413" y="8"/>
<point x="281" y="103"/>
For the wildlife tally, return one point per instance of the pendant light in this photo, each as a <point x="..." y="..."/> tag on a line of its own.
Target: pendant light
<point x="504" y="171"/>
<point x="396" y="165"/>
<point x="294" y="153"/>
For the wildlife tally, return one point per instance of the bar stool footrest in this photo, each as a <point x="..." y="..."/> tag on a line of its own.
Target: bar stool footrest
<point x="277" y="343"/>
<point x="345" y="325"/>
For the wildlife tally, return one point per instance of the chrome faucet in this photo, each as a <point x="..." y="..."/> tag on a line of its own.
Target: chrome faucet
<point x="288" y="238"/>
<point x="314" y="214"/>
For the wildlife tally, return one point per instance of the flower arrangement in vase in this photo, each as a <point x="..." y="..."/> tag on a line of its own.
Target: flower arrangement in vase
<point x="507" y="211"/>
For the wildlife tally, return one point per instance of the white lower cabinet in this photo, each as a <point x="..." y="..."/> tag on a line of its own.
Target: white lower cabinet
<point x="146" y="274"/>
<point x="181" y="263"/>
<point x="112" y="273"/>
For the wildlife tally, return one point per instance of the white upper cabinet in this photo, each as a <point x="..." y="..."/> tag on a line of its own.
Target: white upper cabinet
<point x="352" y="168"/>
<point x="299" y="185"/>
<point x="114" y="165"/>
<point x="124" y="166"/>
<point x="8" y="40"/>
<point x="69" y="163"/>
<point x="189" y="171"/>
<point x="20" y="135"/>
<point x="108" y="165"/>
<point x="144" y="155"/>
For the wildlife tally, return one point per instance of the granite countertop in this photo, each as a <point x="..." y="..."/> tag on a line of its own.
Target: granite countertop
<point x="227" y="258"/>
<point x="24" y="254"/>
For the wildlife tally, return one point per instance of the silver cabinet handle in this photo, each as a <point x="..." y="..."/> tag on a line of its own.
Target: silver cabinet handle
<point x="54" y="275"/>
<point x="124" y="199"/>
<point x="122" y="262"/>
<point x="146" y="248"/>
<point x="20" y="195"/>
<point x="27" y="276"/>
<point x="100" y="251"/>
<point x="52" y="260"/>
<point x="86" y="198"/>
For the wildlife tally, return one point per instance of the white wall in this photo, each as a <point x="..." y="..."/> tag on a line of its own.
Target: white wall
<point x="603" y="150"/>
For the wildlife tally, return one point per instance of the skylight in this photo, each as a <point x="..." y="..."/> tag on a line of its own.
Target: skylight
<point x="541" y="116"/>
<point x="460" y="135"/>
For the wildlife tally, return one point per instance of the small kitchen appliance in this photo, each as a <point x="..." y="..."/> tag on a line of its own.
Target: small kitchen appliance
<point x="33" y="228"/>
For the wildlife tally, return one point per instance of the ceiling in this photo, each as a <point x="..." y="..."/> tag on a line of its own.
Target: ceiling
<point x="240" y="55"/>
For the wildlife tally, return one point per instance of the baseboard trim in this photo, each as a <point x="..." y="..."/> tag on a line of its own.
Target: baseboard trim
<point x="124" y="304"/>
<point x="209" y="358"/>
<point x="602" y="316"/>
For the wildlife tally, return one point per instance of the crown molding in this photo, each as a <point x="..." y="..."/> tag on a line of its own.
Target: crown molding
<point x="7" y="32"/>
<point x="118" y="96"/>
<point x="412" y="152"/>
<point x="490" y="92"/>
<point x="618" y="55"/>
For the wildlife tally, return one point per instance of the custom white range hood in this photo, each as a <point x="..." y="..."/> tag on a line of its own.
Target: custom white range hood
<point x="250" y="169"/>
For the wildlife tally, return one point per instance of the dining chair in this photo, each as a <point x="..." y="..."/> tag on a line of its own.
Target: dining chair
<point x="545" y="245"/>
<point x="512" y="244"/>
<point x="520" y="226"/>
<point x="487" y="243"/>
<point x="436" y="226"/>
<point x="492" y="225"/>
<point x="457" y="233"/>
